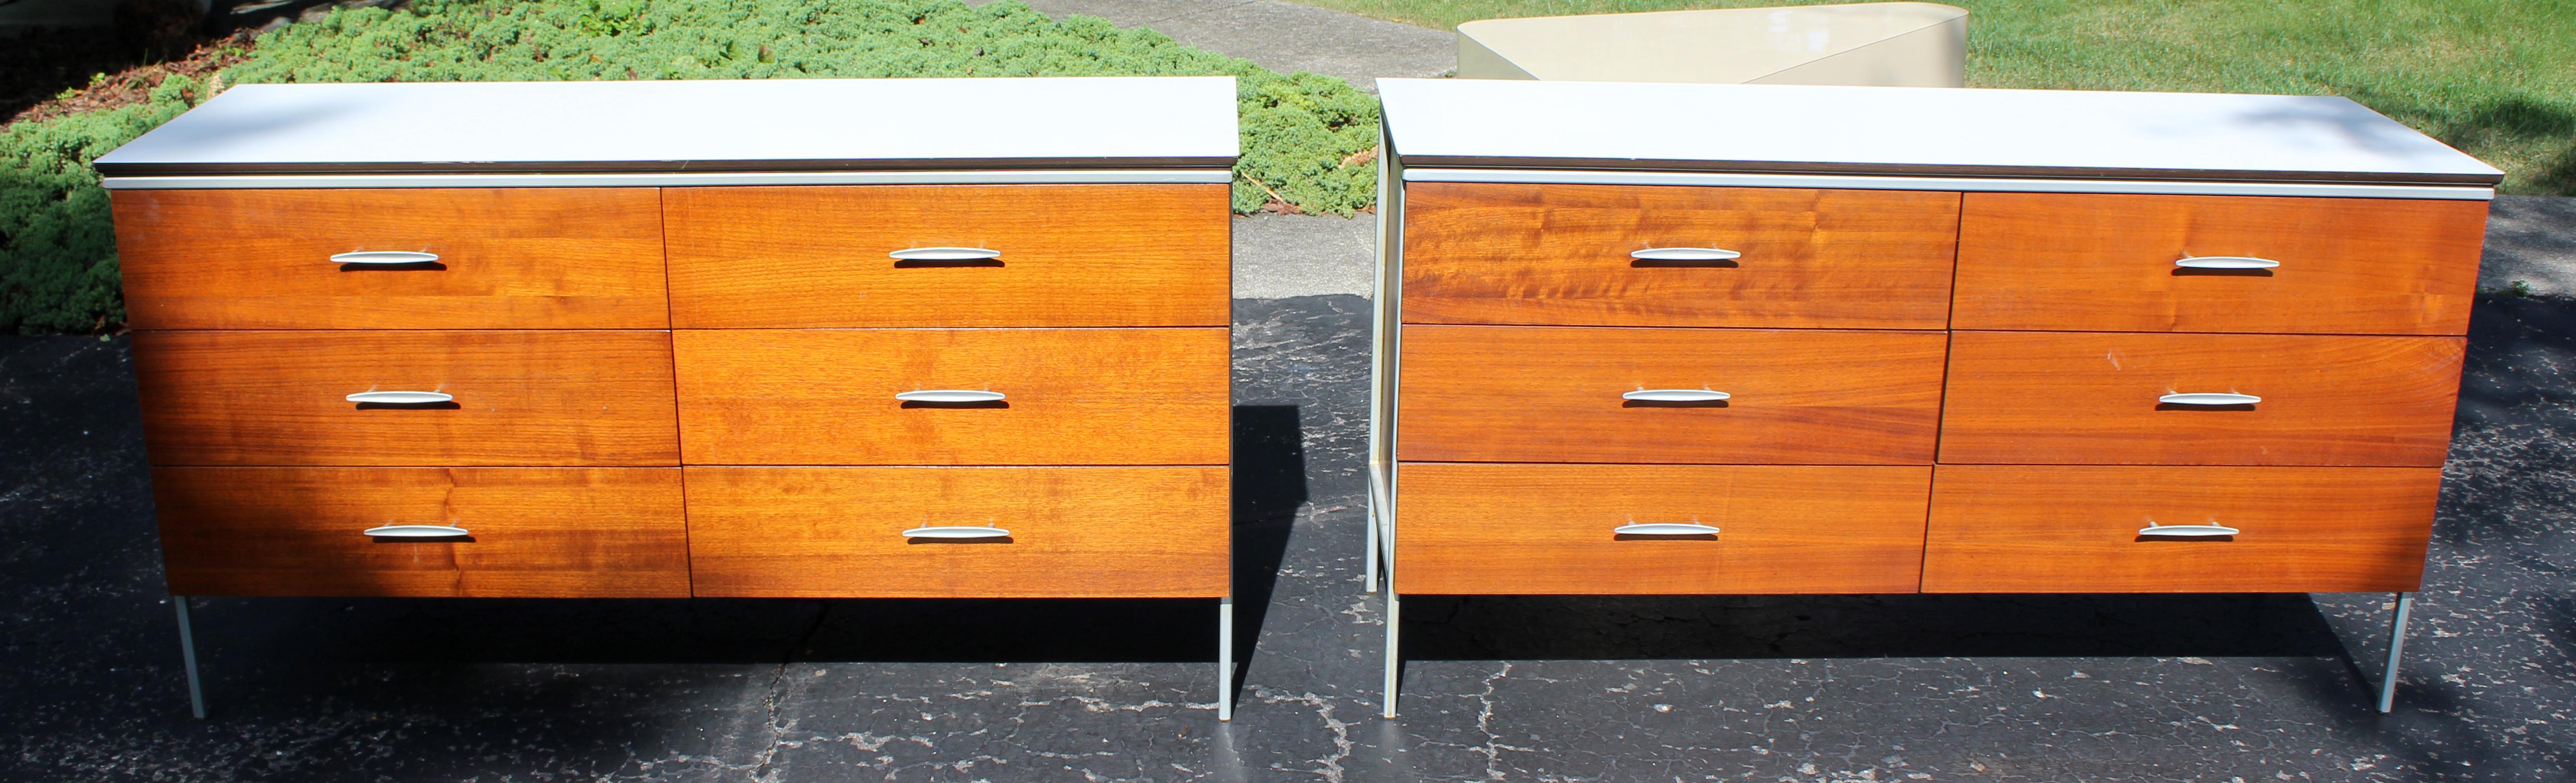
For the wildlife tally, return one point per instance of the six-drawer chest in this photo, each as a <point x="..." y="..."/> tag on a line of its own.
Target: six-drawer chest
<point x="1747" y="339"/>
<point x="918" y="338"/>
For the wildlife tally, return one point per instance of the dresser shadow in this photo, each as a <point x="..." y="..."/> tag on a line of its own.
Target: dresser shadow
<point x="1863" y="626"/>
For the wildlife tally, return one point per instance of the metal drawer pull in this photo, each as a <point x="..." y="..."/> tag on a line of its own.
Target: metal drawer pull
<point x="956" y="531"/>
<point x="401" y="397"/>
<point x="2226" y="262"/>
<point x="944" y="254"/>
<point x="1675" y="395"/>
<point x="1685" y="254"/>
<point x="2209" y="398"/>
<point x="2186" y="531"/>
<point x="1664" y="529"/>
<point x="416" y="531"/>
<point x="949" y="395"/>
<point x="385" y="258"/>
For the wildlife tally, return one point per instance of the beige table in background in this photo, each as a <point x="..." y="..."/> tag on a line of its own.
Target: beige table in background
<point x="1862" y="44"/>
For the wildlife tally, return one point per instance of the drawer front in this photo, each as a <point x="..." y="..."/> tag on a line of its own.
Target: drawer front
<point x="507" y="258"/>
<point x="2093" y="398"/>
<point x="2043" y="529"/>
<point x="1069" y="396"/>
<point x="2053" y="261"/>
<point x="531" y="532"/>
<point x="1561" y="255"/>
<point x="1158" y="532"/>
<point x="1555" y="394"/>
<point x="1553" y="529"/>
<point x="520" y="398"/>
<point x="1070" y="255"/>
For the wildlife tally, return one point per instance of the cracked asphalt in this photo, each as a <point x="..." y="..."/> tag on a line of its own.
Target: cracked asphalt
<point x="1764" y="688"/>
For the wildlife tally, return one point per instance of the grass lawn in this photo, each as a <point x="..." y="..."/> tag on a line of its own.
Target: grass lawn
<point x="2496" y="78"/>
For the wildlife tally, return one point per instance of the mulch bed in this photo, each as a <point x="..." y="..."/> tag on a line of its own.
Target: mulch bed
<point x="36" y="71"/>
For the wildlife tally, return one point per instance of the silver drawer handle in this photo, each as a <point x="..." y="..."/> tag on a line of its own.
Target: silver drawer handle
<point x="949" y="395"/>
<point x="2209" y="398"/>
<point x="385" y="257"/>
<point x="401" y="397"/>
<point x="1664" y="529"/>
<point x="2186" y="531"/>
<point x="944" y="254"/>
<point x="415" y="531"/>
<point x="1675" y="395"/>
<point x="2226" y="262"/>
<point x="1685" y="254"/>
<point x="956" y="531"/>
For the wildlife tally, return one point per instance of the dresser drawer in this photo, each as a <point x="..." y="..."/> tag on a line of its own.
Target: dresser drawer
<point x="1127" y="532"/>
<point x="506" y="258"/>
<point x="2054" y="261"/>
<point x="2080" y="529"/>
<point x="1554" y="529"/>
<point x="2095" y="398"/>
<point x="1558" y="394"/>
<point x="1563" y="255"/>
<point x="1068" y="396"/>
<point x="1068" y="255"/>
<point x="530" y="532"/>
<point x="519" y="398"/>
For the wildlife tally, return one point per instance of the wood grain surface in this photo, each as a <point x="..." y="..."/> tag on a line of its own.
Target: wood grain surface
<point x="2101" y="262"/>
<point x="510" y="258"/>
<point x="1552" y="394"/>
<point x="1072" y="255"/>
<point x="2090" y="398"/>
<point x="1480" y="253"/>
<point x="523" y="398"/>
<point x="1071" y="396"/>
<point x="2074" y="529"/>
<point x="535" y="532"/>
<point x="1155" y="532"/>
<point x="1547" y="529"/>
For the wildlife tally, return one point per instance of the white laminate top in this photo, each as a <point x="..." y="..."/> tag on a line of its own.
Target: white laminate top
<point x="1475" y="123"/>
<point x="668" y="126"/>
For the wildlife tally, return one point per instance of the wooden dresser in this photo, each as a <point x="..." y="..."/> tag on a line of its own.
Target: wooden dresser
<point x="933" y="338"/>
<point x="1774" y="339"/>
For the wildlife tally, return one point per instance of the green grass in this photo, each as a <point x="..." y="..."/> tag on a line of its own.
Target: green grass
<point x="2495" y="78"/>
<point x="58" y="269"/>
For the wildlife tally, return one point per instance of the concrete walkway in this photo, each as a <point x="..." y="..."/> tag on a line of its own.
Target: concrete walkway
<point x="1284" y="37"/>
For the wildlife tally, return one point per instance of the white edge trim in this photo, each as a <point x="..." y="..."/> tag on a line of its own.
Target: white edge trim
<point x="679" y="179"/>
<point x="1983" y="184"/>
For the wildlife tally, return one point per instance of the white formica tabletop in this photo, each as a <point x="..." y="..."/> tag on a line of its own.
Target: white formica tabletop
<point x="692" y="126"/>
<point x="1920" y="131"/>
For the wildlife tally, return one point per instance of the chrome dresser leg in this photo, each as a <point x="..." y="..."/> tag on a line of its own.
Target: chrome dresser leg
<point x="2396" y="648"/>
<point x="1225" y="659"/>
<point x="188" y="656"/>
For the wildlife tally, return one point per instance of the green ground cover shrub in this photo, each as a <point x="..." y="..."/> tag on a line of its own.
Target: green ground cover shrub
<point x="1302" y="133"/>
<point x="57" y="246"/>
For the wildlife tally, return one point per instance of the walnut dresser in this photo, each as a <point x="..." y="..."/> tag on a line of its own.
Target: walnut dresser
<point x="1748" y="339"/>
<point x="916" y="338"/>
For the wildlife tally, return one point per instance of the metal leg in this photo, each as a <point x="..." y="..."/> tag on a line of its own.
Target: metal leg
<point x="2396" y="648"/>
<point x="1392" y="663"/>
<point x="1225" y="659"/>
<point x="188" y="656"/>
<point x="1371" y="558"/>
